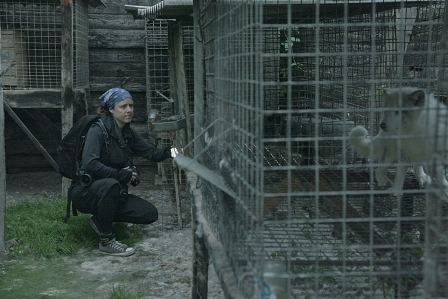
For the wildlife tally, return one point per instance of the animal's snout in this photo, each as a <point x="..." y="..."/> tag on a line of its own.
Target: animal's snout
<point x="383" y="126"/>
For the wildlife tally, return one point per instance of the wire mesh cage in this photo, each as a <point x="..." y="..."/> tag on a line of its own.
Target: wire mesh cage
<point x="299" y="212"/>
<point x="31" y="39"/>
<point x="167" y="123"/>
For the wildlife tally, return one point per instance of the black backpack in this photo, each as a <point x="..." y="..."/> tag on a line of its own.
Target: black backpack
<point x="70" y="150"/>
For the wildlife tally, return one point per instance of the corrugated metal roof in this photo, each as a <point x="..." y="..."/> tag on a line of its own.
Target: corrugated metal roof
<point x="165" y="8"/>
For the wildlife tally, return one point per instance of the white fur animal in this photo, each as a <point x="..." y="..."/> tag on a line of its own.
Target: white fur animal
<point x="413" y="130"/>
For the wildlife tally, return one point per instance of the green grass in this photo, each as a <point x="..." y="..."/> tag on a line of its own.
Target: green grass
<point x="38" y="264"/>
<point x="40" y="231"/>
<point x="120" y="292"/>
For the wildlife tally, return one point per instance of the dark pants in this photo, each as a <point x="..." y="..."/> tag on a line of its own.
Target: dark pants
<point x="109" y="201"/>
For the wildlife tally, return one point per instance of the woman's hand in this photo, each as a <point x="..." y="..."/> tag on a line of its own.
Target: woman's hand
<point x="134" y="174"/>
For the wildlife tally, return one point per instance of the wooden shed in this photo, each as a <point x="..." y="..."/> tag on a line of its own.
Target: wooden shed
<point x="45" y="45"/>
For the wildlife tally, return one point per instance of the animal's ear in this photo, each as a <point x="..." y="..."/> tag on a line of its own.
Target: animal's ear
<point x="418" y="97"/>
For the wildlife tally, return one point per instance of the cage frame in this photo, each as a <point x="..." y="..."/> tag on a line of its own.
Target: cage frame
<point x="206" y="243"/>
<point x="229" y="288"/>
<point x="69" y="92"/>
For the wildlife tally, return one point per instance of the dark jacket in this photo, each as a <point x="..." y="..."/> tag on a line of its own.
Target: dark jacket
<point x="122" y="146"/>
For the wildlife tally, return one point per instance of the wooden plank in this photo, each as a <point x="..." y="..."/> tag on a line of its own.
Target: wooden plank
<point x="125" y="39"/>
<point x="104" y="83"/>
<point x="193" y="166"/>
<point x="100" y="55"/>
<point x="95" y="3"/>
<point x="44" y="98"/>
<point x="119" y="21"/>
<point x="136" y="68"/>
<point x="45" y="124"/>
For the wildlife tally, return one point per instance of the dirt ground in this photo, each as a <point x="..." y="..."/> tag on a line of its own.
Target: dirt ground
<point x="160" y="268"/>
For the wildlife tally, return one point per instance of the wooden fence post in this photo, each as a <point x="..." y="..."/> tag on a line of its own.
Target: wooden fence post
<point x="2" y="171"/>
<point x="67" y="94"/>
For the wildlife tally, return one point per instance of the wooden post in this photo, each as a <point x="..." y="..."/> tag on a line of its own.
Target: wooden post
<point x="199" y="284"/>
<point x="178" y="83"/>
<point x="199" y="83"/>
<point x="2" y="171"/>
<point x="67" y="94"/>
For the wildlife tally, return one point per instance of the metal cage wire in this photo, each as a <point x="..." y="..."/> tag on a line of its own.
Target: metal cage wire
<point x="301" y="215"/>
<point x="160" y="103"/>
<point x="31" y="39"/>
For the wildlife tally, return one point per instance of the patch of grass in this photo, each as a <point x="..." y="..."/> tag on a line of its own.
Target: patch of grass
<point x="120" y="292"/>
<point x="40" y="231"/>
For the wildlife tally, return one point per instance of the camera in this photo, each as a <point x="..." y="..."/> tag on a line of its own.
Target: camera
<point x="85" y="179"/>
<point x="135" y="181"/>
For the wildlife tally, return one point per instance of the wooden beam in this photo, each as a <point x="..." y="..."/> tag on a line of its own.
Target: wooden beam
<point x="45" y="124"/>
<point x="95" y="3"/>
<point x="44" y="98"/>
<point x="31" y="136"/>
<point x="178" y="83"/>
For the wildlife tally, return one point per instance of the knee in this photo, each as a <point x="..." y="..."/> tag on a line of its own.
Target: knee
<point x="150" y="216"/>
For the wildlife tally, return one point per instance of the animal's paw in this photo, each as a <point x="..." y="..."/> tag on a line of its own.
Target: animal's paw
<point x="382" y="180"/>
<point x="397" y="192"/>
<point x="424" y="179"/>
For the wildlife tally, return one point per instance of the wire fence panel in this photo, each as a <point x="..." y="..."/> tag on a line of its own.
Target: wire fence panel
<point x="162" y="110"/>
<point x="304" y="204"/>
<point x="31" y="34"/>
<point x="81" y="48"/>
<point x="31" y="40"/>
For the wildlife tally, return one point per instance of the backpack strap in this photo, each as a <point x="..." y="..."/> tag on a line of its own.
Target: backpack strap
<point x="105" y="134"/>
<point x="67" y="211"/>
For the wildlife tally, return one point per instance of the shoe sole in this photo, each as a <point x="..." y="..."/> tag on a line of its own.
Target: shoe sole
<point x="124" y="254"/>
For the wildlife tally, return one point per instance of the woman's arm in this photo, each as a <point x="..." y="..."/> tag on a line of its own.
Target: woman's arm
<point x="148" y="150"/>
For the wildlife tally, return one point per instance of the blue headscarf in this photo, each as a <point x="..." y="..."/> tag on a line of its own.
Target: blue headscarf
<point x="113" y="96"/>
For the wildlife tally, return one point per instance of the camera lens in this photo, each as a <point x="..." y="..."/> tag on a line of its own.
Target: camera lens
<point x="135" y="182"/>
<point x="86" y="180"/>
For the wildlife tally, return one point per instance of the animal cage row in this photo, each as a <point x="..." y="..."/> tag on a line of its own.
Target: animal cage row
<point x="307" y="207"/>
<point x="31" y="36"/>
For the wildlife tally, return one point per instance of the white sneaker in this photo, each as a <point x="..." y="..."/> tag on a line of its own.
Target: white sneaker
<point x="115" y="248"/>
